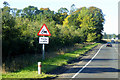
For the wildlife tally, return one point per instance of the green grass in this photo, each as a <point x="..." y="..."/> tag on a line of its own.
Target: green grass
<point x="48" y="65"/>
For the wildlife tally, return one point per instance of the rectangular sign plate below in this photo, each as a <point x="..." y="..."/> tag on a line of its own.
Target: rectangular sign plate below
<point x="43" y="40"/>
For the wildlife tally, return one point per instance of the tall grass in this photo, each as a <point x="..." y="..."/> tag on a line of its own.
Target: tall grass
<point x="48" y="64"/>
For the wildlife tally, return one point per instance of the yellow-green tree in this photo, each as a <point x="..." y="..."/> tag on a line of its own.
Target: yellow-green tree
<point x="91" y="37"/>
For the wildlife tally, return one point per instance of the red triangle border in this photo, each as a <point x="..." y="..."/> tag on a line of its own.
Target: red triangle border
<point x="44" y="34"/>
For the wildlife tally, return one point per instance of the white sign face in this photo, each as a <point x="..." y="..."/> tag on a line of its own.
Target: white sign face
<point x="44" y="31"/>
<point x="43" y="40"/>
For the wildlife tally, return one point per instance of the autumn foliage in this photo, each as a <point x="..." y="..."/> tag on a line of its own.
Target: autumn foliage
<point x="20" y="28"/>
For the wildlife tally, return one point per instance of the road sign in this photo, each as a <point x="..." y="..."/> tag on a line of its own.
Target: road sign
<point x="43" y="40"/>
<point x="44" y="31"/>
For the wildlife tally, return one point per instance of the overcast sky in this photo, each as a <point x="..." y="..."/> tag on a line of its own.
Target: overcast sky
<point x="109" y="8"/>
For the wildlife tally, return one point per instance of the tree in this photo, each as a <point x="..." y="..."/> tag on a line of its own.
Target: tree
<point x="47" y="9"/>
<point x="72" y="8"/>
<point x="92" y="18"/>
<point x="109" y="36"/>
<point x="18" y="13"/>
<point x="14" y="11"/>
<point x="105" y="35"/>
<point x="97" y="19"/>
<point x="63" y="10"/>
<point x="7" y="18"/>
<point x="91" y="37"/>
<point x="6" y="4"/>
<point x="114" y="36"/>
<point x="65" y="22"/>
<point x="72" y="20"/>
<point x="84" y="17"/>
<point x="30" y="12"/>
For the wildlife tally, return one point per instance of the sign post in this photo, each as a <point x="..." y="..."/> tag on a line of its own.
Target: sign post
<point x="43" y="40"/>
<point x="43" y="51"/>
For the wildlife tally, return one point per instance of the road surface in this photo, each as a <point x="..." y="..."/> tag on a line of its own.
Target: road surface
<point x="102" y="63"/>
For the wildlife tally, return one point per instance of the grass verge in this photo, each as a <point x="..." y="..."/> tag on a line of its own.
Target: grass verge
<point x="48" y="64"/>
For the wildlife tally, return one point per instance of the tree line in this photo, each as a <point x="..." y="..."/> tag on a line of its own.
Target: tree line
<point x="111" y="36"/>
<point x="20" y="27"/>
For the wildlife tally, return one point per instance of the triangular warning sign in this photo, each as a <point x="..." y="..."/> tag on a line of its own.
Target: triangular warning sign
<point x="44" y="31"/>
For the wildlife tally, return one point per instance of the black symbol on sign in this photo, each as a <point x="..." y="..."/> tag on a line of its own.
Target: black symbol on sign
<point x="44" y="31"/>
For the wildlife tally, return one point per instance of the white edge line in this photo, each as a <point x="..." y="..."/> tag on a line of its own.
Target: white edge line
<point x="87" y="63"/>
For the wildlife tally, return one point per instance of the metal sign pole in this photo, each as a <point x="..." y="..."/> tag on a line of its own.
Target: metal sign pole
<point x="43" y="48"/>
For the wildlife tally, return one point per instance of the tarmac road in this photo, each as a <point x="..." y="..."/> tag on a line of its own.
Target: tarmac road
<point x="103" y="63"/>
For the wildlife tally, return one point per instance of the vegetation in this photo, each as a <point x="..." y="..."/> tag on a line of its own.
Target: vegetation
<point x="110" y="36"/>
<point x="20" y="28"/>
<point x="49" y="64"/>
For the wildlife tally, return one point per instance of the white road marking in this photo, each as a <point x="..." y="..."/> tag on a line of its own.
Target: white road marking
<point x="87" y="63"/>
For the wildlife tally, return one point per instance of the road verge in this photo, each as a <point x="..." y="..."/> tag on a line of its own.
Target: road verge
<point x="49" y="65"/>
